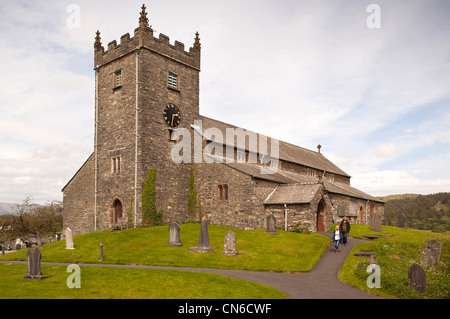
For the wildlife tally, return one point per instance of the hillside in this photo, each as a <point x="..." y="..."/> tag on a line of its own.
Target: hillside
<point x="6" y="208"/>
<point x="425" y="212"/>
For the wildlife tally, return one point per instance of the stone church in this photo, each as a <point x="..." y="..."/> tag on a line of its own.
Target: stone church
<point x="146" y="92"/>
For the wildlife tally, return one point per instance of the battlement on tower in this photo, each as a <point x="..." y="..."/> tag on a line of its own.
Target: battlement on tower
<point x="143" y="39"/>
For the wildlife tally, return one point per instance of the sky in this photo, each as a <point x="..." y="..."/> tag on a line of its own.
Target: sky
<point x="367" y="80"/>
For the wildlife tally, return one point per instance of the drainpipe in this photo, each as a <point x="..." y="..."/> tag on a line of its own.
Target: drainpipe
<point x="96" y="149"/>
<point x="136" y="137"/>
<point x="285" y="217"/>
<point x="367" y="208"/>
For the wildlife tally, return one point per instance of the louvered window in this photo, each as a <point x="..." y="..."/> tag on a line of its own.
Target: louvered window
<point x="173" y="81"/>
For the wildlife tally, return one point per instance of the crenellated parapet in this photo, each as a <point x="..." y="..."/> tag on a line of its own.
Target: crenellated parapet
<point x="143" y="38"/>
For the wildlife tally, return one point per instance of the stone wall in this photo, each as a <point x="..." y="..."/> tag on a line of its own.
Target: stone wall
<point x="244" y="207"/>
<point x="78" y="200"/>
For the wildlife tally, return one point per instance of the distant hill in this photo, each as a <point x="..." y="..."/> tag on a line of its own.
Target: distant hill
<point x="398" y="196"/>
<point x="426" y="212"/>
<point x="6" y="208"/>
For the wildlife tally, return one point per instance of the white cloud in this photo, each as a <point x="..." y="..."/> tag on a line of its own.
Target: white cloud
<point x="306" y="72"/>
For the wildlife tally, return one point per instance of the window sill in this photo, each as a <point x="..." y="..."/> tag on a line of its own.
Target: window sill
<point x="174" y="89"/>
<point x="117" y="87"/>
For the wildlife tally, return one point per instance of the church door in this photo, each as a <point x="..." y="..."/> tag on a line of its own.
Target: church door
<point x="117" y="210"/>
<point x="321" y="214"/>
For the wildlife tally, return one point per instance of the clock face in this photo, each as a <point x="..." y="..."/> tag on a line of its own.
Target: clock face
<point x="172" y="115"/>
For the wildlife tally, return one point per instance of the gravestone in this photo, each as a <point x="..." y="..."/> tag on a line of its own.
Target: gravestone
<point x="375" y="222"/>
<point x="174" y="235"/>
<point x="69" y="239"/>
<point x="431" y="254"/>
<point x="229" y="245"/>
<point x="417" y="278"/>
<point x="203" y="241"/>
<point x="401" y="221"/>
<point x="271" y="225"/>
<point x="34" y="263"/>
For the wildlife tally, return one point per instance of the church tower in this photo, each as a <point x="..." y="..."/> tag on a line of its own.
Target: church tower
<point x="145" y="88"/>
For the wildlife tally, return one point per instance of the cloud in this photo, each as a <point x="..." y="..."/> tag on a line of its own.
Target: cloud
<point x="306" y="72"/>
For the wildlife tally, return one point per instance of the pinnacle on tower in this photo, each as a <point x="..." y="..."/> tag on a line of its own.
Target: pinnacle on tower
<point x="197" y="41"/>
<point x="97" y="43"/>
<point x="143" y="20"/>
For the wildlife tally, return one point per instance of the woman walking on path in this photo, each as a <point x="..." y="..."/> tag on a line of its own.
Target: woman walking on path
<point x="336" y="238"/>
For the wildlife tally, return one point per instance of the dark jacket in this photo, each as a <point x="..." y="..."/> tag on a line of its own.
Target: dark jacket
<point x="348" y="226"/>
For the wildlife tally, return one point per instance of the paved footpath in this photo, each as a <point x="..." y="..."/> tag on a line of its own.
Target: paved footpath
<point x="319" y="283"/>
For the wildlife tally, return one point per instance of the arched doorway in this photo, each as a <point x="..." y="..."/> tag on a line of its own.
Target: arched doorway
<point x="117" y="210"/>
<point x="321" y="215"/>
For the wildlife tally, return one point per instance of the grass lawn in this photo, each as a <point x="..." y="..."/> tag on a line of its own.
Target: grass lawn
<point x="128" y="283"/>
<point x="395" y="254"/>
<point x="286" y="251"/>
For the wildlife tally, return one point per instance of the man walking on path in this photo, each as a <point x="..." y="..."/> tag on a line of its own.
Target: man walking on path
<point x="344" y="229"/>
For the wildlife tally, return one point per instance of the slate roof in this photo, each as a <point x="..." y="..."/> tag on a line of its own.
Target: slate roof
<point x="293" y="194"/>
<point x="287" y="152"/>
<point x="294" y="184"/>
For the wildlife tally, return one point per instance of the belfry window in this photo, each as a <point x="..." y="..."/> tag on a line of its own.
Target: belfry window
<point x="117" y="79"/>
<point x="172" y="82"/>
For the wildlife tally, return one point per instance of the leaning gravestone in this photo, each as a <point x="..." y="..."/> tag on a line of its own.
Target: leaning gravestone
<point x="69" y="239"/>
<point x="401" y="221"/>
<point x="417" y="278"/>
<point x="174" y="235"/>
<point x="229" y="245"/>
<point x="431" y="254"/>
<point x="203" y="241"/>
<point x="271" y="225"/>
<point x="375" y="222"/>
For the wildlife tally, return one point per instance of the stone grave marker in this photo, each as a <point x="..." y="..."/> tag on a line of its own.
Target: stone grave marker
<point x="203" y="241"/>
<point x="417" y="278"/>
<point x="69" y="239"/>
<point x="34" y="264"/>
<point x="271" y="225"/>
<point x="174" y="235"/>
<point x="375" y="222"/>
<point x="401" y="221"/>
<point x="431" y="254"/>
<point x="229" y="245"/>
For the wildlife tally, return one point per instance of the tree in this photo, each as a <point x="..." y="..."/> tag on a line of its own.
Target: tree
<point x="150" y="215"/>
<point x="39" y="221"/>
<point x="192" y="198"/>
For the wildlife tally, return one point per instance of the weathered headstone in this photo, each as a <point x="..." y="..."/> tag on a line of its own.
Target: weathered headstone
<point x="375" y="222"/>
<point x="34" y="263"/>
<point x="401" y="220"/>
<point x="229" y="245"/>
<point x="271" y="225"/>
<point x="417" y="278"/>
<point x="69" y="239"/>
<point x="203" y="241"/>
<point x="174" y="235"/>
<point x="431" y="254"/>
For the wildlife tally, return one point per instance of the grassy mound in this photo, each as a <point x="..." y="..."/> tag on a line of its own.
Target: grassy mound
<point x="395" y="253"/>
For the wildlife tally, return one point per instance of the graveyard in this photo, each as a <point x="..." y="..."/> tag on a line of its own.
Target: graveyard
<point x="395" y="250"/>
